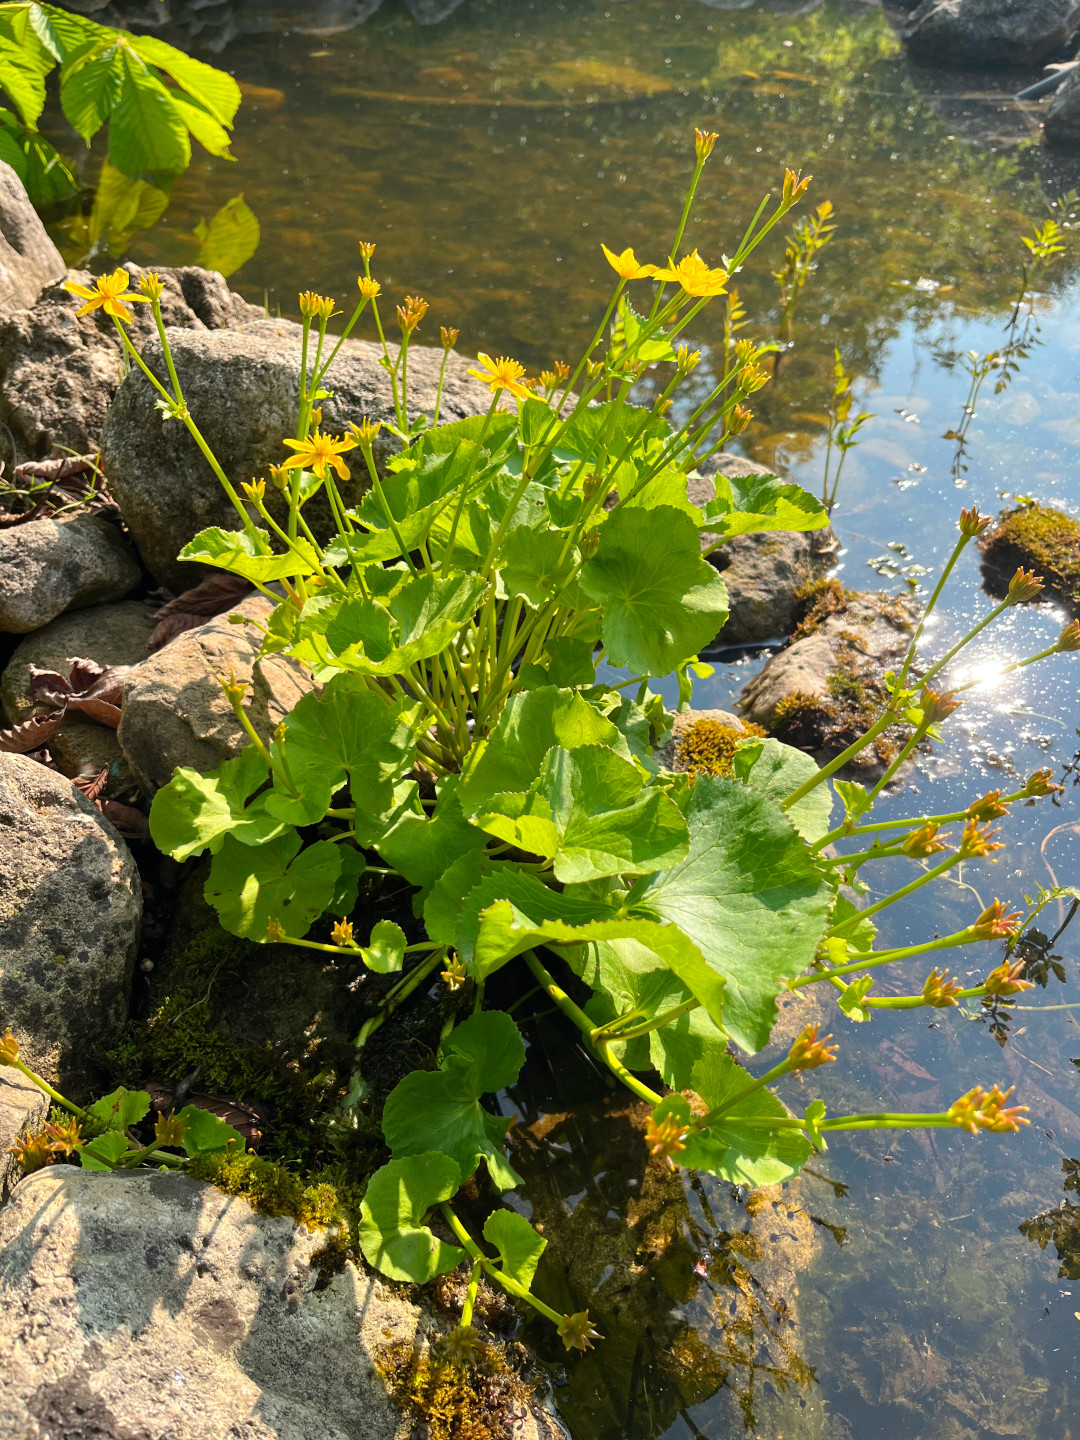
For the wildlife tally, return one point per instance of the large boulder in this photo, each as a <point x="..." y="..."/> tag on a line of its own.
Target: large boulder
<point x="975" y="34"/>
<point x="241" y="385"/>
<point x="1063" y="117"/>
<point x="175" y="712"/>
<point x="109" y="634"/>
<point x="58" y="372"/>
<point x="70" y="908"/>
<point x="49" y="566"/>
<point x="28" y="258"/>
<point x="147" y="1304"/>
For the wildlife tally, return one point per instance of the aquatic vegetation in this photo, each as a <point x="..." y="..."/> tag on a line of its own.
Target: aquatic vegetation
<point x="462" y="737"/>
<point x="152" y="98"/>
<point x="1042" y="537"/>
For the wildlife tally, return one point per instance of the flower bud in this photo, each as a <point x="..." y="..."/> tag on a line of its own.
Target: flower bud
<point x="975" y="843"/>
<point x="576" y="1332"/>
<point x="939" y="991"/>
<point x="739" y="419"/>
<point x="562" y="370"/>
<point x="985" y="1110"/>
<point x="808" y="1052"/>
<point x="367" y="249"/>
<point x="795" y="187"/>
<point x="1041" y="783"/>
<point x="924" y="841"/>
<point x="64" y="1139"/>
<point x="937" y="706"/>
<point x="594" y="369"/>
<point x="342" y="934"/>
<point x="152" y="285"/>
<point x="972" y="523"/>
<point x="1006" y="979"/>
<point x="996" y="922"/>
<point x="310" y="304"/>
<point x="1069" y="639"/>
<point x="666" y="1139"/>
<point x="234" y="689"/>
<point x="275" y="932"/>
<point x="987" y="807"/>
<point x="455" y="974"/>
<point x="449" y="336"/>
<point x="169" y="1131"/>
<point x="704" y="140"/>
<point x="548" y="379"/>
<point x="411" y="313"/>
<point x="32" y="1152"/>
<point x="1025" y="585"/>
<point x="255" y="490"/>
<point x="686" y="359"/>
<point x="9" y="1049"/>
<point x="364" y="433"/>
<point x="279" y="478"/>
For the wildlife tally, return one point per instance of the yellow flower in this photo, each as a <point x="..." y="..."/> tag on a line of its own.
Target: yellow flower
<point x="110" y="294"/>
<point x="255" y="490"/>
<point x="501" y="374"/>
<point x="275" y="931"/>
<point x="626" y="265"/>
<point x="9" y="1049"/>
<point x="317" y="452"/>
<point x="169" y="1130"/>
<point x="808" y="1051"/>
<point x="364" y="434"/>
<point x="369" y="289"/>
<point x="704" y="140"/>
<point x="455" y="974"/>
<point x="367" y="249"/>
<point x="342" y="934"/>
<point x="151" y="285"/>
<point x="695" y="277"/>
<point x="411" y="313"/>
<point x="449" y="336"/>
<point x="665" y="1139"/>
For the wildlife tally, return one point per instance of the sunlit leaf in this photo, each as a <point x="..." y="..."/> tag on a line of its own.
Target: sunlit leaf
<point x="251" y="885"/>
<point x="250" y="555"/>
<point x="391" y="1233"/>
<point x="195" y="812"/>
<point x="230" y="239"/>
<point x="518" y="1244"/>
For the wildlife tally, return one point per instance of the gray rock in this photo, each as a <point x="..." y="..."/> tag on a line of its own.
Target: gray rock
<point x="23" y="1106"/>
<point x="145" y="1305"/>
<point x="149" y="1306"/>
<point x="981" y="33"/>
<point x="763" y="573"/>
<point x="241" y="386"/>
<point x="28" y="258"/>
<point x="58" y="373"/>
<point x="49" y="566"/>
<point x="174" y="711"/>
<point x="70" y="909"/>
<point x="1063" y="117"/>
<point x="109" y="634"/>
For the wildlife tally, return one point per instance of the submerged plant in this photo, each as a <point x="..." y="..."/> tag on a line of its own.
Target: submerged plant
<point x="461" y="737"/>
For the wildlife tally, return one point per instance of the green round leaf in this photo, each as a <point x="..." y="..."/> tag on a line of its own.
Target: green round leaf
<point x="398" y="1197"/>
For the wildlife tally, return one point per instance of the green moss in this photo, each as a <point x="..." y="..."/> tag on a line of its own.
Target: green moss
<point x="1037" y="538"/>
<point x="816" y="602"/>
<point x="331" y="1205"/>
<point x="708" y="746"/>
<point x="477" y="1400"/>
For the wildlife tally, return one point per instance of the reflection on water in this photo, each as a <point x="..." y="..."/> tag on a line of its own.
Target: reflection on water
<point x="489" y="156"/>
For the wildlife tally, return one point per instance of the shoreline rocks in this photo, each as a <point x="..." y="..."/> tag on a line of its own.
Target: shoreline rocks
<point x="70" y="909"/>
<point x="974" y="34"/>
<point x="241" y="385"/>
<point x="49" y="566"/>
<point x="28" y="258"/>
<point x="1040" y="538"/>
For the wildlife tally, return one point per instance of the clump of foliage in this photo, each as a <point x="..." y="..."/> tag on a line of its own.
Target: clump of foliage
<point x="708" y="746"/>
<point x="462" y="736"/>
<point x="153" y="99"/>
<point x="1042" y="538"/>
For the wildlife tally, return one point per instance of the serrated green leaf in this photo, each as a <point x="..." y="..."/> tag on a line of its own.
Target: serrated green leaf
<point x="230" y="239"/>
<point x="91" y="89"/>
<point x="483" y="1054"/>
<point x="422" y="847"/>
<point x="23" y="69"/>
<point x="862" y="936"/>
<point x="854" y="798"/>
<point x="748" y="896"/>
<point x="749" y="504"/>
<point x="207" y="1133"/>
<point x="589" y="811"/>
<point x="398" y="1197"/>
<point x="386" y="951"/>
<point x="250" y="555"/>
<point x="661" y="601"/>
<point x="146" y="134"/>
<point x="347" y="884"/>
<point x="194" y="812"/>
<point x="535" y="564"/>
<point x="251" y="885"/>
<point x="851" y="997"/>
<point x="103" y="1151"/>
<point x="213" y="137"/>
<point x="518" y="1244"/>
<point x="566" y="663"/>
<point x="534" y="721"/>
<point x="776" y="770"/>
<point x="214" y="89"/>
<point x="120" y="1109"/>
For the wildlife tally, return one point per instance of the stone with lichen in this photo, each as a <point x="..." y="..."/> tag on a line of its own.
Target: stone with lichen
<point x="1040" y="538"/>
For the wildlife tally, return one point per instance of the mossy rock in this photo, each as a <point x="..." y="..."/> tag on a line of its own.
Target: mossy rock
<point x="1040" y="538"/>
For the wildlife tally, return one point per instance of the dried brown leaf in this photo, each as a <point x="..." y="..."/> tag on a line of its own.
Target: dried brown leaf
<point x="92" y="785"/>
<point x="31" y="734"/>
<point x="130" y="822"/>
<point x="202" y="602"/>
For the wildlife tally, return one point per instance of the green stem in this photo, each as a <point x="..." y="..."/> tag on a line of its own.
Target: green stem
<point x="48" y="1089"/>
<point x="886" y="957"/>
<point x="924" y="879"/>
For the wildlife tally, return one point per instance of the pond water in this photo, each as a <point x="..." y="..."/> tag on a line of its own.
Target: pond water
<point x="488" y="156"/>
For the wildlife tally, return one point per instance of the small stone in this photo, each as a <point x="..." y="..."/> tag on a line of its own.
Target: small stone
<point x="28" y="258"/>
<point x="70" y="909"/>
<point x="175" y="712"/>
<point x="241" y="386"/>
<point x="1063" y="117"/>
<point x="1039" y="538"/>
<point x="109" y="634"/>
<point x="49" y="566"/>
<point x="974" y="34"/>
<point x="23" y="1106"/>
